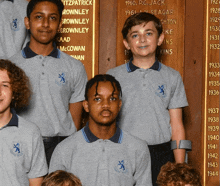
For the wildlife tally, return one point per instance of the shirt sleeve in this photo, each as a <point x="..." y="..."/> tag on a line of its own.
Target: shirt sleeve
<point x="38" y="161"/>
<point x="178" y="98"/>
<point x="142" y="175"/>
<point x="56" y="160"/>
<point x="80" y="80"/>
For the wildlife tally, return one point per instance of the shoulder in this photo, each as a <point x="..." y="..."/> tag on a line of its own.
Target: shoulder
<point x="71" y="142"/>
<point x="28" y="128"/>
<point x="168" y="70"/>
<point x="121" y="68"/>
<point x="134" y="142"/>
<point x="68" y="59"/>
<point x="17" y="58"/>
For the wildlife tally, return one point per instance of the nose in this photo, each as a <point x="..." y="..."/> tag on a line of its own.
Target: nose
<point x="46" y="22"/>
<point x="106" y="103"/>
<point x="142" y="38"/>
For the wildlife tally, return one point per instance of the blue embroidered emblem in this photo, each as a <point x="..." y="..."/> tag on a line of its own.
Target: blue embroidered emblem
<point x="121" y="167"/>
<point x="14" y="25"/>
<point x="16" y="149"/>
<point x="161" y="91"/>
<point x="62" y="79"/>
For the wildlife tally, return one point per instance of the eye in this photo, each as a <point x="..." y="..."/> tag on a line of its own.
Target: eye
<point x="149" y="33"/>
<point x="5" y="85"/>
<point x="97" y="99"/>
<point x="38" y="16"/>
<point x="113" y="98"/>
<point x="53" y="18"/>
<point x="134" y="36"/>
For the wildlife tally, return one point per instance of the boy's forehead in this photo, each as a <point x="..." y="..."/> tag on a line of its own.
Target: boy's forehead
<point x="98" y="86"/>
<point x="149" y="25"/>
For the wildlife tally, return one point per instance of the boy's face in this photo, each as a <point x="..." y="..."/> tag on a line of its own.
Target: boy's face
<point x="104" y="107"/>
<point x="6" y="94"/>
<point x="44" y="22"/>
<point x="143" y="40"/>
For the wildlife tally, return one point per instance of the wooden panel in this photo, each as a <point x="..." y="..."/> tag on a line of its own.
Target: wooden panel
<point x="79" y="34"/>
<point x="211" y="93"/>
<point x="171" y="14"/>
<point x="107" y="50"/>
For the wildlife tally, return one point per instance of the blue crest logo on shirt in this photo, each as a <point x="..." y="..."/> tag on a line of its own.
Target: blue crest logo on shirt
<point x="16" y="150"/>
<point x="62" y="79"/>
<point x="121" y="167"/>
<point x="161" y="91"/>
<point x="14" y="25"/>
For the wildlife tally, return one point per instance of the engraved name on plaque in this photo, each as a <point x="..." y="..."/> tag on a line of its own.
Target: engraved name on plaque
<point x="78" y="36"/>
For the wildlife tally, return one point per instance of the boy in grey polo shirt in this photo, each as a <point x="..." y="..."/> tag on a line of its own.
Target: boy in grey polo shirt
<point x="101" y="153"/>
<point x="57" y="79"/>
<point x="153" y="94"/>
<point x="22" y="156"/>
<point x="13" y="34"/>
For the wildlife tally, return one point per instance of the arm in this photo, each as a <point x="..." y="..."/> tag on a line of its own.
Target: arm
<point x="178" y="132"/>
<point x="35" y="181"/>
<point x="76" y="113"/>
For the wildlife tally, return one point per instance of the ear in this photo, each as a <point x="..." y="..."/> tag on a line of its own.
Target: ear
<point x="160" y="39"/>
<point x="126" y="44"/>
<point x="86" y="105"/>
<point x="120" y="104"/>
<point x="27" y="23"/>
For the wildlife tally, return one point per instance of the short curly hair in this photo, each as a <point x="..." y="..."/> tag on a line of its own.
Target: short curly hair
<point x="178" y="174"/>
<point x="61" y="178"/>
<point x="19" y="83"/>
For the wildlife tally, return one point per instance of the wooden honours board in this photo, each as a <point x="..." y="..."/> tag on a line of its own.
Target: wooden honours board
<point x="78" y="36"/>
<point x="211" y="93"/>
<point x="171" y="14"/>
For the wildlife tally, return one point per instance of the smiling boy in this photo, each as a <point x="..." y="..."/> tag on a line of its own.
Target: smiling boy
<point x="58" y="80"/>
<point x="153" y="94"/>
<point x="101" y="153"/>
<point x="22" y="161"/>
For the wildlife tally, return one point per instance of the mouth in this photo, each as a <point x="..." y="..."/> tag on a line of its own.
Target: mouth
<point x="143" y="47"/>
<point x="106" y="113"/>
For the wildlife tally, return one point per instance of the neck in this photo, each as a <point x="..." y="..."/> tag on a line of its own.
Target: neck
<point x="5" y="118"/>
<point x="102" y="132"/>
<point x="144" y="63"/>
<point x="41" y="49"/>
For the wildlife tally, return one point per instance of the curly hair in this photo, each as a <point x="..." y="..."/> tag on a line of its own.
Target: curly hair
<point x="19" y="83"/>
<point x="61" y="178"/>
<point x="178" y="174"/>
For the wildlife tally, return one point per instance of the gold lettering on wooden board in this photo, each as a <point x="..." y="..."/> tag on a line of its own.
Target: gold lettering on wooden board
<point x="78" y="36"/>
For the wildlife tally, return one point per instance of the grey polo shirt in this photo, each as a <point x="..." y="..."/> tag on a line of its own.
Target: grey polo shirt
<point x="13" y="34"/>
<point x="148" y="94"/>
<point x="123" y="160"/>
<point x="22" y="155"/>
<point x="56" y="80"/>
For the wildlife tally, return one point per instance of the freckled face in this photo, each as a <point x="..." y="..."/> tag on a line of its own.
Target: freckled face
<point x="143" y="40"/>
<point x="44" y="23"/>
<point x="6" y="94"/>
<point x="104" y="107"/>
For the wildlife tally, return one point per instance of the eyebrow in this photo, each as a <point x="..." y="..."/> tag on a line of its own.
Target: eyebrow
<point x="144" y="30"/>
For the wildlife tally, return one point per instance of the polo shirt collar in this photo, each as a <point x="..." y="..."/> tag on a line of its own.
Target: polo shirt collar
<point x="90" y="137"/>
<point x="28" y="53"/>
<point x="14" y="120"/>
<point x="131" y="67"/>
